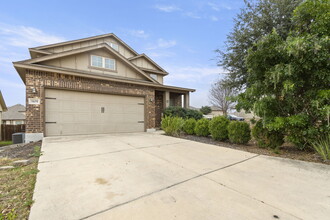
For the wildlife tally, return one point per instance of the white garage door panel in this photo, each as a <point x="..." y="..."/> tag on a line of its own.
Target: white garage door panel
<point x="69" y="113"/>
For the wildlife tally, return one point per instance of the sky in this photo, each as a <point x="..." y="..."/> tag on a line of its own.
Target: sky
<point x="181" y="36"/>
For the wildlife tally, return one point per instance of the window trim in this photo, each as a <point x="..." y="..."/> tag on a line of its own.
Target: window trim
<point x="153" y="74"/>
<point x="111" y="45"/>
<point x="103" y="63"/>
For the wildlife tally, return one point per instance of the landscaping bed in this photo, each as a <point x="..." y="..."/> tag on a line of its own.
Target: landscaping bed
<point x="17" y="184"/>
<point x="285" y="151"/>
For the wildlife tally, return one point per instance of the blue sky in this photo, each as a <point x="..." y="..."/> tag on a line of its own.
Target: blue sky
<point x="180" y="36"/>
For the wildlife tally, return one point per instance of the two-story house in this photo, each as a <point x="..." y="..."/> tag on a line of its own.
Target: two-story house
<point x="94" y="85"/>
<point x="15" y="115"/>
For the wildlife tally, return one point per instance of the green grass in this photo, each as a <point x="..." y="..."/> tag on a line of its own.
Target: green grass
<point x="5" y="143"/>
<point x="37" y="151"/>
<point x="322" y="147"/>
<point x="16" y="191"/>
<point x="16" y="188"/>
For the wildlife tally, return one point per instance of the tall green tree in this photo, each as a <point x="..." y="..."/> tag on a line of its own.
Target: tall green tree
<point x="288" y="82"/>
<point x="257" y="19"/>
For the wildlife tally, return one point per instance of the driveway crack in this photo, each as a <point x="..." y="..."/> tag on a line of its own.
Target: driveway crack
<point x="168" y="187"/>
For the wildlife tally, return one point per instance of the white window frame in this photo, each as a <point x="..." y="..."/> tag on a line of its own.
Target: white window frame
<point x="114" y="46"/>
<point x="103" y="62"/>
<point x="154" y="76"/>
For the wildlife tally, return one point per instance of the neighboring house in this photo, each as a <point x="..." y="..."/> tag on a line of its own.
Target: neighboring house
<point x="193" y="108"/>
<point x="94" y="85"/>
<point x="14" y="116"/>
<point x="246" y="115"/>
<point x="3" y="109"/>
<point x="216" y="111"/>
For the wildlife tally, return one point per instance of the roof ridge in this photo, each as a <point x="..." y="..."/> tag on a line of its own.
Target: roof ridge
<point x="85" y="39"/>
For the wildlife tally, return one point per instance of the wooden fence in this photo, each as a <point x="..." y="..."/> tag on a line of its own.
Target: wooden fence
<point x="8" y="130"/>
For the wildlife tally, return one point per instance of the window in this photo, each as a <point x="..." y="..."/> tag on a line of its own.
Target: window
<point x="102" y="62"/>
<point x="97" y="61"/>
<point x="154" y="76"/>
<point x="113" y="45"/>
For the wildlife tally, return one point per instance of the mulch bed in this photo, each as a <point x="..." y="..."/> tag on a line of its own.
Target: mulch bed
<point x="285" y="151"/>
<point x="22" y="151"/>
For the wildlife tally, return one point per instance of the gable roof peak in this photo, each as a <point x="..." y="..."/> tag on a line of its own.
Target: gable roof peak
<point x="85" y="39"/>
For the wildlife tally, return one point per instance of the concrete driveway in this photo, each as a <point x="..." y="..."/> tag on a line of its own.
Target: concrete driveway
<point x="152" y="176"/>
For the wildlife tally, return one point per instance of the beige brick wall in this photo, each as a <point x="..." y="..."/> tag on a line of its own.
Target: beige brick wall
<point x="41" y="80"/>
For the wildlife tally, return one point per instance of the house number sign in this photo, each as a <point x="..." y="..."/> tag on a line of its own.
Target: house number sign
<point x="34" y="101"/>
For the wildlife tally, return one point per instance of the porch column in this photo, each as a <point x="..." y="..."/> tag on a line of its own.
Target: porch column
<point x="186" y="100"/>
<point x="166" y="99"/>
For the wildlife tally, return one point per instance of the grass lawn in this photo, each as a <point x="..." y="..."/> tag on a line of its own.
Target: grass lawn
<point x="4" y="143"/>
<point x="16" y="187"/>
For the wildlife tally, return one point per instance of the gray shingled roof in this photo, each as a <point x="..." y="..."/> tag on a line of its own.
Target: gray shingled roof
<point x="15" y="112"/>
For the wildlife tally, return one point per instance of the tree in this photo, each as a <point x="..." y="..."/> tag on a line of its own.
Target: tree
<point x="220" y="96"/>
<point x="257" y="19"/>
<point x="205" y="110"/>
<point x="288" y="82"/>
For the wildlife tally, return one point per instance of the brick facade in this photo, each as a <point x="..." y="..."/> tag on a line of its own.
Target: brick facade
<point x="159" y="101"/>
<point x="175" y="99"/>
<point x="40" y="80"/>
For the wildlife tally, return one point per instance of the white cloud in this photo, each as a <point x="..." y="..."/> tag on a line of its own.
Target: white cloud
<point x="219" y="6"/>
<point x="165" y="43"/>
<point x="162" y="44"/>
<point x="198" y="77"/>
<point x="161" y="54"/>
<point x="214" y="18"/>
<point x="192" y="74"/>
<point x="192" y="15"/>
<point x="167" y="8"/>
<point x="25" y="36"/>
<point x="139" y="33"/>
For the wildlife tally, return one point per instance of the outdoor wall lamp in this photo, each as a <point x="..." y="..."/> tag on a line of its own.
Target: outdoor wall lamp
<point x="33" y="90"/>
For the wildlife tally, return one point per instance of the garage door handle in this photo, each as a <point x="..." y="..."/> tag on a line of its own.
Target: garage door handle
<point x="50" y="122"/>
<point x="140" y="121"/>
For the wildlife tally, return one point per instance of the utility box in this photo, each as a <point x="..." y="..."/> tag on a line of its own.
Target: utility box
<point x="18" y="138"/>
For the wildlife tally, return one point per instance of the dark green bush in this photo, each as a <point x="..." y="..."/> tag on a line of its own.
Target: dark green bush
<point x="172" y="125"/>
<point x="266" y="138"/>
<point x="205" y="110"/>
<point x="182" y="112"/>
<point x="190" y="113"/>
<point x="239" y="132"/>
<point x="219" y="128"/>
<point x="202" y="127"/>
<point x="189" y="126"/>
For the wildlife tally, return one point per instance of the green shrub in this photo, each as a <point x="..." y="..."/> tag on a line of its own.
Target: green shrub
<point x="239" y="132"/>
<point x="219" y="128"/>
<point x="172" y="125"/>
<point x="322" y="147"/>
<point x="202" y="127"/>
<point x="189" y="126"/>
<point x="190" y="113"/>
<point x="205" y="110"/>
<point x="182" y="112"/>
<point x="266" y="138"/>
<point x="175" y="111"/>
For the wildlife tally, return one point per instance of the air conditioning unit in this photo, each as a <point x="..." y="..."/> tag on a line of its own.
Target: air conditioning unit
<point x="18" y="138"/>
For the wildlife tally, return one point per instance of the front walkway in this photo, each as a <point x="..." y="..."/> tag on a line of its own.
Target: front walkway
<point x="152" y="176"/>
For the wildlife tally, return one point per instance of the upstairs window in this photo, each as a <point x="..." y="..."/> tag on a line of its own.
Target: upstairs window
<point x="103" y="62"/>
<point x="154" y="76"/>
<point x="113" y="45"/>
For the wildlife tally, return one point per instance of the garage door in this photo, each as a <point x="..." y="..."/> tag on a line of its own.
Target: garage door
<point x="71" y="113"/>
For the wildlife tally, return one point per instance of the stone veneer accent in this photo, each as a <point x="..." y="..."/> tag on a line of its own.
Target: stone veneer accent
<point x="159" y="101"/>
<point x="41" y="80"/>
<point x="176" y="99"/>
